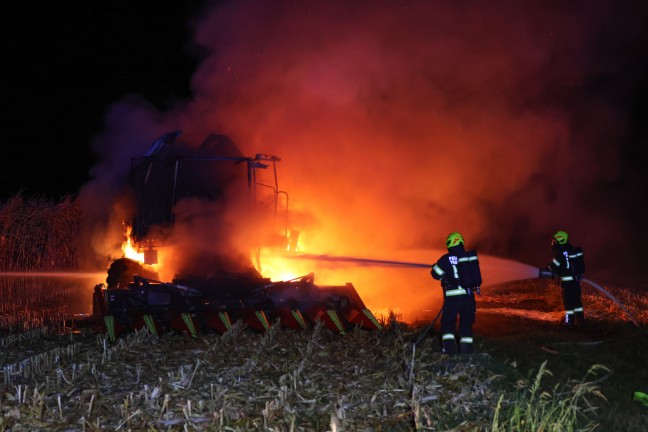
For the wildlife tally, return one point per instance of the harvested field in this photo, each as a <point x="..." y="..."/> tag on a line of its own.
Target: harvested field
<point x="316" y="380"/>
<point x="282" y="380"/>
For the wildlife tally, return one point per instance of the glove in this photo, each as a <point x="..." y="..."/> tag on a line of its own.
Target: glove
<point x="474" y="290"/>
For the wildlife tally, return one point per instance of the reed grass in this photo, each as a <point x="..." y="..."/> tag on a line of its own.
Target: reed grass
<point x="37" y="234"/>
<point x="563" y="408"/>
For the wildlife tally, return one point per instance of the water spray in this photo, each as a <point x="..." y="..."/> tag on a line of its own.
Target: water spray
<point x="527" y="272"/>
<point x="498" y="270"/>
<point x="361" y="261"/>
<point x="71" y="275"/>
<point x="550" y="274"/>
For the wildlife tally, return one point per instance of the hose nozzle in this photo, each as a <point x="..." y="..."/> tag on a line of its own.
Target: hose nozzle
<point x="546" y="273"/>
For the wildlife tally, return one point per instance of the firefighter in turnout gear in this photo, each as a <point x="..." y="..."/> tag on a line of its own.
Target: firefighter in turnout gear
<point x="460" y="277"/>
<point x="568" y="264"/>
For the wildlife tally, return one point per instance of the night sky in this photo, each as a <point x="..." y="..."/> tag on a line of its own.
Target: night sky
<point x="505" y="120"/>
<point x="64" y="63"/>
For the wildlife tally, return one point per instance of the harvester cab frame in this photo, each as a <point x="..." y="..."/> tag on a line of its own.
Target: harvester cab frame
<point x="157" y="180"/>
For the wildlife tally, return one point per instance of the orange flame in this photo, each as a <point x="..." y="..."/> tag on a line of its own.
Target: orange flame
<point x="128" y="248"/>
<point x="132" y="251"/>
<point x="272" y="262"/>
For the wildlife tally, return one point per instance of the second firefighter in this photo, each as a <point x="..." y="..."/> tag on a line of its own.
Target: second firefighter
<point x="569" y="265"/>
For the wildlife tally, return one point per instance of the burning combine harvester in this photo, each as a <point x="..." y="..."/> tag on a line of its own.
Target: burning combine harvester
<point x="213" y="289"/>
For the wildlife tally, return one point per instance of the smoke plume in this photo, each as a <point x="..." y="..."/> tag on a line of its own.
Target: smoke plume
<point x="399" y="122"/>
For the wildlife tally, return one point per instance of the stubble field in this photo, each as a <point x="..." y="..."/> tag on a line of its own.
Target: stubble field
<point x="526" y="371"/>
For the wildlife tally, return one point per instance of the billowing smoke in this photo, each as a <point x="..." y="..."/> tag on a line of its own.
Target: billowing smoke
<point x="399" y="122"/>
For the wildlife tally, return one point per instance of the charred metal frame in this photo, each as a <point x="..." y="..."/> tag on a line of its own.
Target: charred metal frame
<point x="260" y="161"/>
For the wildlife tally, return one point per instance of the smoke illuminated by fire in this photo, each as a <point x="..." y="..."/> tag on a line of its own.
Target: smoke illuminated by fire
<point x="397" y="123"/>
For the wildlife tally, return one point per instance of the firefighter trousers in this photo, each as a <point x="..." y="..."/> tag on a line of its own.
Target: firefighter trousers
<point x="571" y="294"/>
<point x="464" y="307"/>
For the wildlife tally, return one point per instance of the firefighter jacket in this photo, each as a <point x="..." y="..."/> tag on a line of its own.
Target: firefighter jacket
<point x="567" y="261"/>
<point x="447" y="268"/>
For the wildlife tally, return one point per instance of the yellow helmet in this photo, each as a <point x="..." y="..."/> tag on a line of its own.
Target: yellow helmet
<point x="454" y="239"/>
<point x="561" y="237"/>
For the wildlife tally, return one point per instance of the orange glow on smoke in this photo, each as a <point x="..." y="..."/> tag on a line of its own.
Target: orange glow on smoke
<point x="409" y="293"/>
<point x="387" y="144"/>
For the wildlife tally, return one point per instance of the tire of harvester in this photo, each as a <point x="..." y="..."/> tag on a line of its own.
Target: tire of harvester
<point x="122" y="272"/>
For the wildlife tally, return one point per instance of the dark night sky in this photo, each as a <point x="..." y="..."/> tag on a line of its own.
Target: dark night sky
<point x="64" y="63"/>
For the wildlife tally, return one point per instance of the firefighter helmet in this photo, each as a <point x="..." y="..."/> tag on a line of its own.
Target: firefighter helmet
<point x="454" y="239"/>
<point x="561" y="237"/>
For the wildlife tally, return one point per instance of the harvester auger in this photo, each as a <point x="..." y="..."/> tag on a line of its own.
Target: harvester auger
<point x="217" y="290"/>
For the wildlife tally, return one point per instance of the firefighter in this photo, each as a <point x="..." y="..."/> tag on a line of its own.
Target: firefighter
<point x="460" y="277"/>
<point x="568" y="264"/>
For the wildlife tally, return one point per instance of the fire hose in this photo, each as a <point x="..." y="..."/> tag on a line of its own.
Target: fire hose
<point x="423" y="334"/>
<point x="547" y="273"/>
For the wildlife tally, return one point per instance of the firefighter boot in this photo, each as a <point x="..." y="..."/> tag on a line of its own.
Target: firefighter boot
<point x="569" y="319"/>
<point x="466" y="345"/>
<point x="448" y="344"/>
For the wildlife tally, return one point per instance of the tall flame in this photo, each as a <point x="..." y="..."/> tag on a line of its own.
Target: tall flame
<point x="136" y="253"/>
<point x="128" y="248"/>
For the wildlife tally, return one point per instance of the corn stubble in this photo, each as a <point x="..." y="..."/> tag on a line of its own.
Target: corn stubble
<point x="282" y="380"/>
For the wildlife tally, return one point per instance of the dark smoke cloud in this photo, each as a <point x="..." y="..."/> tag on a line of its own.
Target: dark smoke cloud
<point x="399" y="122"/>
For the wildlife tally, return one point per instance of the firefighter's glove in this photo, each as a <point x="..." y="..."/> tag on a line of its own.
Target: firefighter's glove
<point x="642" y="398"/>
<point x="473" y="290"/>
